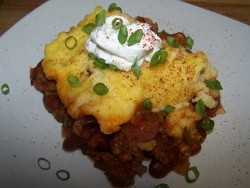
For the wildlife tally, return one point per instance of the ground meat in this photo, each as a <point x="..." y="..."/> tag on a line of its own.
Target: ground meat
<point x="54" y="105"/>
<point x="50" y="98"/>
<point x="39" y="80"/>
<point x="119" y="173"/>
<point x="120" y="155"/>
<point x="144" y="122"/>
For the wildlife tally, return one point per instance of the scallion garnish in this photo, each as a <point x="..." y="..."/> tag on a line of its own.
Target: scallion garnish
<point x="159" y="57"/>
<point x="65" y="124"/>
<point x="113" y="6"/>
<point x="163" y="32"/>
<point x="147" y="104"/>
<point x="100" y="89"/>
<point x="119" y="9"/>
<point x="191" y="178"/>
<point x="136" y="69"/>
<point x="70" y="42"/>
<point x="172" y="41"/>
<point x="162" y="185"/>
<point x="113" y="67"/>
<point x="63" y="175"/>
<point x="100" y="18"/>
<point x="101" y="63"/>
<point x="5" y="89"/>
<point x="168" y="109"/>
<point x="92" y="56"/>
<point x="189" y="43"/>
<point x="74" y="81"/>
<point x="207" y="124"/>
<point x="88" y="28"/>
<point x="43" y="163"/>
<point x="117" y="23"/>
<point x="213" y="84"/>
<point x="123" y="34"/>
<point x="200" y="107"/>
<point x="135" y="37"/>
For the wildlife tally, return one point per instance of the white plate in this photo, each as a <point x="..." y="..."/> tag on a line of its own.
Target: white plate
<point x="28" y="131"/>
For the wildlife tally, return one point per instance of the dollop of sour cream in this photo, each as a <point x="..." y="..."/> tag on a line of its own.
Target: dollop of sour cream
<point x="103" y="43"/>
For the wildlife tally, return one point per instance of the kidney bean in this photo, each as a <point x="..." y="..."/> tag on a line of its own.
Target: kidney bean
<point x="72" y="142"/>
<point x="158" y="170"/>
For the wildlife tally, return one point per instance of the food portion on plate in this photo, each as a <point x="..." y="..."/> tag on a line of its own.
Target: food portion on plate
<point x="127" y="93"/>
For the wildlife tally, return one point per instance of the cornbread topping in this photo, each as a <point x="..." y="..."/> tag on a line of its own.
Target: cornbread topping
<point x="103" y="42"/>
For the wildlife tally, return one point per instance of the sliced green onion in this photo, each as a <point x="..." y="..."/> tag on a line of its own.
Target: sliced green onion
<point x="207" y="124"/>
<point x="92" y="56"/>
<point x="100" y="18"/>
<point x="119" y="9"/>
<point x="63" y="175"/>
<point x="147" y="104"/>
<point x="65" y="124"/>
<point x="195" y="172"/>
<point x="213" y="84"/>
<point x="163" y="32"/>
<point x="113" y="67"/>
<point x="136" y="69"/>
<point x="172" y="41"/>
<point x="159" y="57"/>
<point x="100" y="89"/>
<point x="168" y="109"/>
<point x="117" y="23"/>
<point x="113" y="6"/>
<point x="189" y="43"/>
<point x="88" y="28"/>
<point x="74" y="81"/>
<point x="123" y="34"/>
<point x="200" y="107"/>
<point x="5" y="89"/>
<point x="43" y="163"/>
<point x="70" y="42"/>
<point x="135" y="37"/>
<point x="162" y="185"/>
<point x="101" y="63"/>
